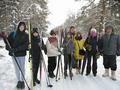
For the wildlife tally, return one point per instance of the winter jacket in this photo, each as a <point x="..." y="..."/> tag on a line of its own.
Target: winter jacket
<point x="52" y="46"/>
<point x="78" y="44"/>
<point x="91" y="45"/>
<point x="68" y="45"/>
<point x="108" y="45"/>
<point x="19" y="42"/>
<point x="36" y="47"/>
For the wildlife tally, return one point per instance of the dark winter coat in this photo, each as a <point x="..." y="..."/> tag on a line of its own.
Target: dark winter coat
<point x="68" y="46"/>
<point x="109" y="45"/>
<point x="91" y="45"/>
<point x="36" y="47"/>
<point x="19" y="43"/>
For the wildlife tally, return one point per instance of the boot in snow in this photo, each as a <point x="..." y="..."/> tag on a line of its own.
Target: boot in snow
<point x="113" y="76"/>
<point x="106" y="74"/>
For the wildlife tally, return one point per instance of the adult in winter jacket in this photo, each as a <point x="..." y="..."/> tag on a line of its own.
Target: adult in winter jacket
<point x="109" y="47"/>
<point x="19" y="44"/>
<point x="68" y="53"/>
<point x="91" y="48"/>
<point x="78" y="45"/>
<point x="36" y="53"/>
<point x="52" y="53"/>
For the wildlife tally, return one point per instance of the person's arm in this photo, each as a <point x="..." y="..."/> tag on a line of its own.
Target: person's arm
<point x="100" y="45"/>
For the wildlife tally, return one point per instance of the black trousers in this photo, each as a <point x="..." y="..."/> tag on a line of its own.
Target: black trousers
<point x="67" y="61"/>
<point x="51" y="64"/>
<point x="36" y="63"/>
<point x="109" y="61"/>
<point x="78" y="64"/>
<point x="94" y="64"/>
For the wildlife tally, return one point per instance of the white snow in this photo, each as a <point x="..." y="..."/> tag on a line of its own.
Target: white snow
<point x="8" y="78"/>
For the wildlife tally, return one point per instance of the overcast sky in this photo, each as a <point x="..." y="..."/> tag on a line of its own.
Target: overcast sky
<point x="60" y="9"/>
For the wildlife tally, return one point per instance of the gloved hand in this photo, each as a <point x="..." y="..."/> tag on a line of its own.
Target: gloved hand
<point x="12" y="50"/>
<point x="98" y="55"/>
<point x="60" y="50"/>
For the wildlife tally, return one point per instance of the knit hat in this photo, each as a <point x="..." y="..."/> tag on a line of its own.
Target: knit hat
<point x="35" y="30"/>
<point x="52" y="32"/>
<point x="93" y="30"/>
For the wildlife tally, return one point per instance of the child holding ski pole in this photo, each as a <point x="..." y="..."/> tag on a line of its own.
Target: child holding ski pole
<point x="17" y="44"/>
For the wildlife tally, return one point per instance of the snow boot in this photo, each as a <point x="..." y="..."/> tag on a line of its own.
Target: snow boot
<point x="65" y="74"/>
<point x="18" y="84"/>
<point x="77" y="71"/>
<point x="37" y="81"/>
<point x="22" y="85"/>
<point x="113" y="76"/>
<point x="106" y="74"/>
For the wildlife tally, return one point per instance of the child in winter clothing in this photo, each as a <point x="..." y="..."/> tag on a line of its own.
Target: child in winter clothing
<point x="78" y="45"/>
<point x="19" y="44"/>
<point x="68" y="53"/>
<point x="91" y="48"/>
<point x="36" y="53"/>
<point x="52" y="53"/>
<point x="109" y="47"/>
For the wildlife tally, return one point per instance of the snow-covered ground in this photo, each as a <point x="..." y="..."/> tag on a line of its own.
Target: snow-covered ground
<point x="8" y="78"/>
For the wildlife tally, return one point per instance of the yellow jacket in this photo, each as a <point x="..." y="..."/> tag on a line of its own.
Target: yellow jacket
<point x="76" y="49"/>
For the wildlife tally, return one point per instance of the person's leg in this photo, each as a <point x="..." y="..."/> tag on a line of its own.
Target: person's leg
<point x="65" y="64"/>
<point x="70" y="64"/>
<point x="49" y="65"/>
<point x="94" y="65"/>
<point x="113" y="66"/>
<point x="53" y="64"/>
<point x="88" y="69"/>
<point x="106" y="64"/>
<point x="22" y="65"/>
<point x="84" y="63"/>
<point x="17" y="71"/>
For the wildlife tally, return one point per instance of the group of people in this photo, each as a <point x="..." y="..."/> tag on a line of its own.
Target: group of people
<point x="75" y="49"/>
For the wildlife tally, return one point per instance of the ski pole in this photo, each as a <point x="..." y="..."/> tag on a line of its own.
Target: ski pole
<point x="57" y="68"/>
<point x="61" y="66"/>
<point x="17" y="63"/>
<point x="46" y="73"/>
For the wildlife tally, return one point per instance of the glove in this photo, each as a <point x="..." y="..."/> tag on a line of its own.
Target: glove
<point x="60" y="50"/>
<point x="98" y="55"/>
<point x="3" y="34"/>
<point x="12" y="50"/>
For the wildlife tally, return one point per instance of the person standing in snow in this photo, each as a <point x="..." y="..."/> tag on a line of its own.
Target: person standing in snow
<point x="109" y="47"/>
<point x="19" y="44"/>
<point x="36" y="53"/>
<point x="52" y="53"/>
<point x="68" y="49"/>
<point x="79" y="51"/>
<point x="91" y="48"/>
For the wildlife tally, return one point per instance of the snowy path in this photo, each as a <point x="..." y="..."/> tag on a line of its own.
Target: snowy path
<point x="8" y="79"/>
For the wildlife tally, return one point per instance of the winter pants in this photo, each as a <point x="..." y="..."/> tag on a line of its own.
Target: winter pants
<point x="67" y="61"/>
<point x="109" y="61"/>
<point x="36" y="63"/>
<point x="94" y="65"/>
<point x="78" y="64"/>
<point x="21" y="62"/>
<point x="51" y="64"/>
